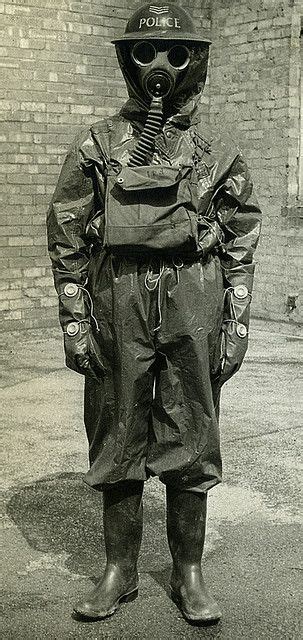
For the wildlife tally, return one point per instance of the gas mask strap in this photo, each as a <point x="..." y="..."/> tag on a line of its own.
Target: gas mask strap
<point x="145" y="145"/>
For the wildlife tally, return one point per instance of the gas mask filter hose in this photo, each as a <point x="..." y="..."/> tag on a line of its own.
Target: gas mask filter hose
<point x="145" y="146"/>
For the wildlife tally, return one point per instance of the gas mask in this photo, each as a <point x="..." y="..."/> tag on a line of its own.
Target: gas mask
<point x="163" y="61"/>
<point x="159" y="66"/>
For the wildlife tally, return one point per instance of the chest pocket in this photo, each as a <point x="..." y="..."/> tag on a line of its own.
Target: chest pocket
<point x="152" y="207"/>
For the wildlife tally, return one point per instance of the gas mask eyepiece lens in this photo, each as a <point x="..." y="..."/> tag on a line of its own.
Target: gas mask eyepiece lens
<point x="143" y="53"/>
<point x="178" y="57"/>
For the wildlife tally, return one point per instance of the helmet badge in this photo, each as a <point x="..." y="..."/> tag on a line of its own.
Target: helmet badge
<point x="158" y="10"/>
<point x="159" y="20"/>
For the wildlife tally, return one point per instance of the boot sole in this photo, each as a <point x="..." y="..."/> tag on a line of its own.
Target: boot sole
<point x="194" y="620"/>
<point x="100" y="615"/>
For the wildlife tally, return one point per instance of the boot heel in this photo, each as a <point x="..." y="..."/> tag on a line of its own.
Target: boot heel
<point x="129" y="597"/>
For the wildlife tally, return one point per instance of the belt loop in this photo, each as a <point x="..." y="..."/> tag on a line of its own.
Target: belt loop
<point x="178" y="264"/>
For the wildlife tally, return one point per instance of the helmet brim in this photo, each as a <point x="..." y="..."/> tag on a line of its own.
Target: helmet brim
<point x="162" y="35"/>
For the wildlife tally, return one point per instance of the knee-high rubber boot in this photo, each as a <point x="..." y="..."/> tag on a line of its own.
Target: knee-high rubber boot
<point x="186" y="520"/>
<point x="122" y="521"/>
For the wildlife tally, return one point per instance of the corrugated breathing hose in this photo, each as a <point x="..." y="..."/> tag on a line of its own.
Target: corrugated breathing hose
<point x="145" y="144"/>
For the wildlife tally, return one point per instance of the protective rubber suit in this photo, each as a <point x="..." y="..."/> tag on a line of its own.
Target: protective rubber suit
<point x="152" y="231"/>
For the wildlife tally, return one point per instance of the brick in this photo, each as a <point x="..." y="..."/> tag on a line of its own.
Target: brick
<point x="9" y="274"/>
<point x="33" y="106"/>
<point x="10" y="294"/>
<point x="9" y="252"/>
<point x="4" y="305"/>
<point x="43" y="262"/>
<point x="13" y="315"/>
<point x="19" y="178"/>
<point x="40" y="240"/>
<point x="21" y="303"/>
<point x="15" y="241"/>
<point x="45" y="281"/>
<point x="34" y="272"/>
<point x="6" y="230"/>
<point x="81" y="109"/>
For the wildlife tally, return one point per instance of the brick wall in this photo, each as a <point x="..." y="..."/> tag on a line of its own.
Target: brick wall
<point x="255" y="74"/>
<point x="58" y="72"/>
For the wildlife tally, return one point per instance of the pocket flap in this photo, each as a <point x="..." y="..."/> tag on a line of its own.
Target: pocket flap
<point x="150" y="177"/>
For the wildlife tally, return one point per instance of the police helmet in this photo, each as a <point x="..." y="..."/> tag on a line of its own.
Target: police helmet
<point x="162" y="22"/>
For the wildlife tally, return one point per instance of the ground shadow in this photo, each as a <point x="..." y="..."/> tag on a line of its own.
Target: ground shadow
<point x="60" y="514"/>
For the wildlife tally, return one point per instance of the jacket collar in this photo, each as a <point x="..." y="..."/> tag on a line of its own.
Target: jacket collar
<point x="136" y="113"/>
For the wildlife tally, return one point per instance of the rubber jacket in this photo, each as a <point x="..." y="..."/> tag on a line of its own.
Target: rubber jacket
<point x="157" y="331"/>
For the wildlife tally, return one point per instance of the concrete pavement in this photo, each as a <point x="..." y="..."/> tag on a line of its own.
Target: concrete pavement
<point x="52" y="544"/>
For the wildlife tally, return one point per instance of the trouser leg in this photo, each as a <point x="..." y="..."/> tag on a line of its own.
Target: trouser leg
<point x="186" y="522"/>
<point x="122" y="522"/>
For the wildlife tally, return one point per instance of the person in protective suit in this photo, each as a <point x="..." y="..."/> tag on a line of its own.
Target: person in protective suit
<point x="151" y="233"/>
